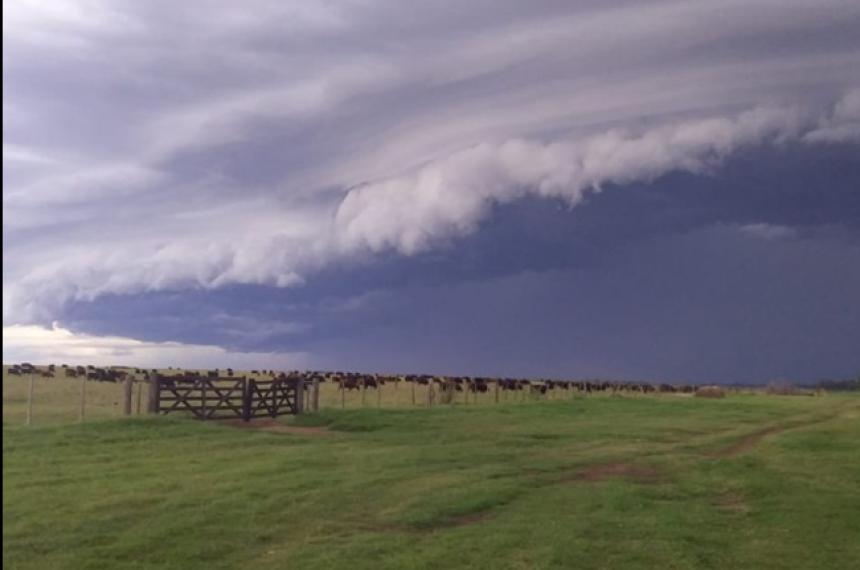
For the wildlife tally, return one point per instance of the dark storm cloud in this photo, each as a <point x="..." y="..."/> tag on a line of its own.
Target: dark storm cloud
<point x="745" y="276"/>
<point x="159" y="148"/>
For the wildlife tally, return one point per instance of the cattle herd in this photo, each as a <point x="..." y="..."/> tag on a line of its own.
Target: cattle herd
<point x="348" y="381"/>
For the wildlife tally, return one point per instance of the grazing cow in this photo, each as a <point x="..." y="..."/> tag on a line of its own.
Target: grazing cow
<point x="349" y="383"/>
<point x="106" y="375"/>
<point x="314" y="376"/>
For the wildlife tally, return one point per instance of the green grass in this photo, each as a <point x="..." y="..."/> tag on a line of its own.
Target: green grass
<point x="449" y="487"/>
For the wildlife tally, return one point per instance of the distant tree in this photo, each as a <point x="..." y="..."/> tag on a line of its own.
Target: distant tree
<point x="850" y="385"/>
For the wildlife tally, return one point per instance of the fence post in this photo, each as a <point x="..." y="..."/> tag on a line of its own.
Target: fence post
<point x="430" y="394"/>
<point x="83" y="398"/>
<point x="363" y="391"/>
<point x="378" y="393"/>
<point x="413" y="392"/>
<point x="496" y="391"/>
<point x="30" y="400"/>
<point x="126" y="397"/>
<point x="300" y="396"/>
<point x="342" y="394"/>
<point x="315" y="397"/>
<point x="139" y="396"/>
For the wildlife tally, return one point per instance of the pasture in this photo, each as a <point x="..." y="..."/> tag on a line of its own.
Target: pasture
<point x="598" y="481"/>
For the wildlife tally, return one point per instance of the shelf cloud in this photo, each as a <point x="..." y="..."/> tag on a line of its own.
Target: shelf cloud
<point x="182" y="148"/>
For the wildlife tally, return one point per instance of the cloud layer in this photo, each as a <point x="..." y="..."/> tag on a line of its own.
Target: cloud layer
<point x="56" y="345"/>
<point x="263" y="144"/>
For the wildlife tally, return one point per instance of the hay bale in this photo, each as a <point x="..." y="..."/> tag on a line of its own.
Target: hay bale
<point x="710" y="392"/>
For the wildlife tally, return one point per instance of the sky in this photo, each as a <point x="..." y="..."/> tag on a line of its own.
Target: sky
<point x="665" y="191"/>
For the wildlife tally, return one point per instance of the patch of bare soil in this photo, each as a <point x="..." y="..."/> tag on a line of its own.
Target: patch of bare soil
<point x="465" y="520"/>
<point x="632" y="471"/>
<point x="452" y="522"/>
<point x="274" y="426"/>
<point x="731" y="503"/>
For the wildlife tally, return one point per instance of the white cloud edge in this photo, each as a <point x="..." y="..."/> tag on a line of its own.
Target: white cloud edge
<point x="447" y="198"/>
<point x="57" y="345"/>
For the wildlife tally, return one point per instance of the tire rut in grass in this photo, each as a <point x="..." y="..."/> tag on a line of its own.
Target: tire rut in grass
<point x="458" y="521"/>
<point x="750" y="441"/>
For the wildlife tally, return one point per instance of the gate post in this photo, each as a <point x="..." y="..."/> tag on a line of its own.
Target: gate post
<point x="126" y="396"/>
<point x="315" y="395"/>
<point x="247" y="394"/>
<point x="153" y="397"/>
<point x="300" y="396"/>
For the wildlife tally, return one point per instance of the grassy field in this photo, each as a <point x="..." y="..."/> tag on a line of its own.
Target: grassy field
<point x="750" y="481"/>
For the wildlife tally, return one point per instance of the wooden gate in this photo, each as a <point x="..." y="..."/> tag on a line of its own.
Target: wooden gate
<point x="225" y="398"/>
<point x="271" y="398"/>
